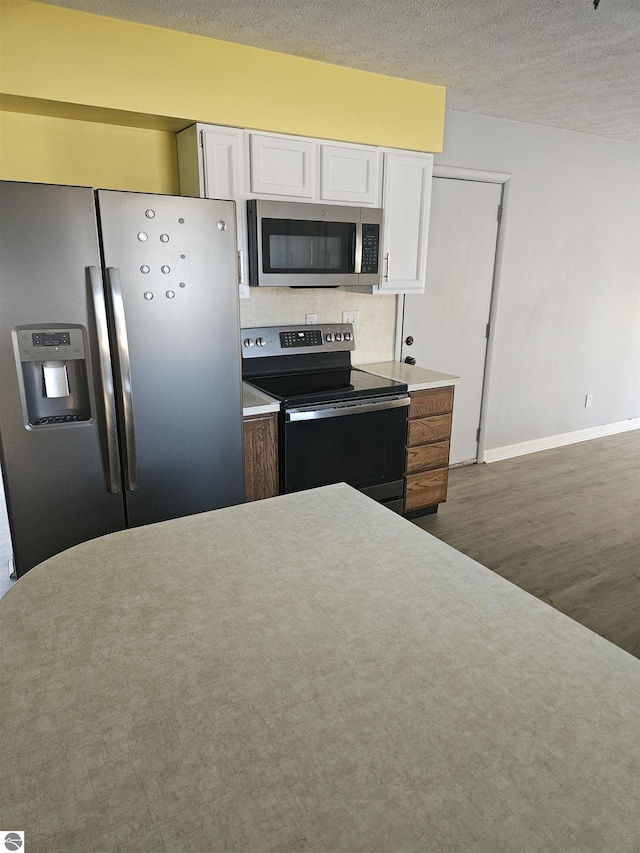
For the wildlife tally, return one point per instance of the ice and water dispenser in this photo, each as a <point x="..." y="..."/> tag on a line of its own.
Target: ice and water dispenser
<point x="54" y="375"/>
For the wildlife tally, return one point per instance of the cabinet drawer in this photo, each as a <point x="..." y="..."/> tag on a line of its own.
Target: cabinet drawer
<point x="428" y="430"/>
<point x="434" y="401"/>
<point x="426" y="489"/>
<point x="427" y="456"/>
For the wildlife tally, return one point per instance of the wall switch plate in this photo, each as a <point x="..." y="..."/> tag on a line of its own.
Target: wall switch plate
<point x="351" y="317"/>
<point x="310" y="319"/>
<point x="588" y="401"/>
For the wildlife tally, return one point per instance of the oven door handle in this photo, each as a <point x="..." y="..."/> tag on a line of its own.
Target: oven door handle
<point x="350" y="408"/>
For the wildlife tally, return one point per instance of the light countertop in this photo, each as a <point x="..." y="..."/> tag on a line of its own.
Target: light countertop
<point x="254" y="402"/>
<point x="309" y="672"/>
<point x="417" y="378"/>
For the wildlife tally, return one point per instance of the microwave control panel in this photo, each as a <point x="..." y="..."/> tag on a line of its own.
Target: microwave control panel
<point x="370" y="248"/>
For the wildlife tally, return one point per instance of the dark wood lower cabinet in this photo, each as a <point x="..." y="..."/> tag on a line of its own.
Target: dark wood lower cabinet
<point x="260" y="437"/>
<point x="427" y="461"/>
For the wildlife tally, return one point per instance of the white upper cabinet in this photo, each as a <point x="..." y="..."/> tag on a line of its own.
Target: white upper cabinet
<point x="294" y="167"/>
<point x="211" y="161"/>
<point x="283" y="166"/>
<point x="223" y="158"/>
<point x="350" y="174"/>
<point x="406" y="202"/>
<point x="237" y="164"/>
<point x="211" y="164"/>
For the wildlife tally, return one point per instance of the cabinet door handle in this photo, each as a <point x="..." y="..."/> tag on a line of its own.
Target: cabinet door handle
<point x="387" y="258"/>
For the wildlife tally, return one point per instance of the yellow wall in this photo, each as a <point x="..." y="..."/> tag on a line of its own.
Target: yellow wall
<point x="62" y="151"/>
<point x="68" y="58"/>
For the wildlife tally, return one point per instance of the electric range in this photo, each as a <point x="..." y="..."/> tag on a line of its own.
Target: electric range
<point x="337" y="423"/>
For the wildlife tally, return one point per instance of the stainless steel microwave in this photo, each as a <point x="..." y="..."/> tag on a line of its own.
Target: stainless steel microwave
<point x="295" y="244"/>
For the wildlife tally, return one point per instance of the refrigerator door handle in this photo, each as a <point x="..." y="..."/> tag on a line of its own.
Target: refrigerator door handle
<point x="100" y="314"/>
<point x="124" y="366"/>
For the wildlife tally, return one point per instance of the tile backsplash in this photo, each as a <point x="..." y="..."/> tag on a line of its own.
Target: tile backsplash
<point x="275" y="306"/>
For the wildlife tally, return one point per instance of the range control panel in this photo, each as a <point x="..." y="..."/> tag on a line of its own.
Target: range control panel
<point x="301" y="338"/>
<point x="263" y="341"/>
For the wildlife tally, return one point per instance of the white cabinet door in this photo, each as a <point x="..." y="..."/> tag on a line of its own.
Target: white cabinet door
<point x="223" y="166"/>
<point x="223" y="162"/>
<point x="350" y="174"/>
<point x="283" y="166"/>
<point x="406" y="202"/>
<point x="211" y="162"/>
<point x="223" y="159"/>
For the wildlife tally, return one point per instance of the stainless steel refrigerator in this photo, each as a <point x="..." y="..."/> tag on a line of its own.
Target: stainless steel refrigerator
<point x="120" y="378"/>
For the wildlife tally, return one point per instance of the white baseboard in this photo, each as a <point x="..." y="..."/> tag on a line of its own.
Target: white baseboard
<point x="551" y="441"/>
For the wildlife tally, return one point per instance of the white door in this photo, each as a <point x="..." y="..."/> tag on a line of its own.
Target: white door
<point x="448" y="322"/>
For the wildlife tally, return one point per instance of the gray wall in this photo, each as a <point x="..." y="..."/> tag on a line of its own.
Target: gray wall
<point x="568" y="304"/>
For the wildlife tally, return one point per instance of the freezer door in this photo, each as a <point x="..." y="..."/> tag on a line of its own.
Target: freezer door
<point x="59" y="455"/>
<point x="172" y="283"/>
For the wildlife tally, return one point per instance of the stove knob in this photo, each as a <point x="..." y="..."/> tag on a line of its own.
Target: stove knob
<point x="338" y="336"/>
<point x="347" y="336"/>
<point x="260" y="341"/>
<point x="329" y="337"/>
<point x="248" y="342"/>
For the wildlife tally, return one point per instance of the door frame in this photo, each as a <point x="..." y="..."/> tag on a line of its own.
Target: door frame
<point x="460" y="173"/>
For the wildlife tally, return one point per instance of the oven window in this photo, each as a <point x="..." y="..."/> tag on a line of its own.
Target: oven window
<point x="362" y="450"/>
<point x="299" y="246"/>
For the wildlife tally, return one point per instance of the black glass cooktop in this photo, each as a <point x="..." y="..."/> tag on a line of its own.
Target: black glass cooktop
<point x="326" y="386"/>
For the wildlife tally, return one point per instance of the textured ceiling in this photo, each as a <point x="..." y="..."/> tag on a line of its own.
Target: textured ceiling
<point x="559" y="63"/>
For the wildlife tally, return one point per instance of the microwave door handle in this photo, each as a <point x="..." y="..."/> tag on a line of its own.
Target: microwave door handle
<point x="106" y="377"/>
<point x="124" y="367"/>
<point x="357" y="267"/>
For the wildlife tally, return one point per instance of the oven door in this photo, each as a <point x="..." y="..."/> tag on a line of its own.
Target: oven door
<point x="360" y="443"/>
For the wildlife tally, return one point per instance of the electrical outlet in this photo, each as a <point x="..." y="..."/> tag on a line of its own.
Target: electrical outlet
<point x="351" y="317"/>
<point x="588" y="401"/>
<point x="310" y="319"/>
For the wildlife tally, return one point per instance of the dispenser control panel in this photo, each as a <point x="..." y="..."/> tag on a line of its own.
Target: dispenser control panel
<point x="51" y="339"/>
<point x="44" y="344"/>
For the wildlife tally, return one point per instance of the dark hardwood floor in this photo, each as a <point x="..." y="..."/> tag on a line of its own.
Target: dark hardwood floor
<point x="564" y="524"/>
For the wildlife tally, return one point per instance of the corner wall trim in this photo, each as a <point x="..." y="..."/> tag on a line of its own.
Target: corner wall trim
<point x="551" y="441"/>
